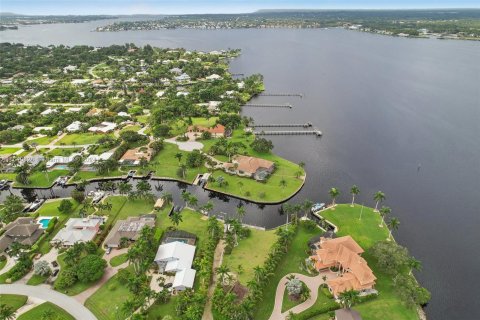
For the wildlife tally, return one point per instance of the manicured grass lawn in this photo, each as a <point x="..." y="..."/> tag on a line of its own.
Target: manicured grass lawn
<point x="249" y="253"/>
<point x="366" y="232"/>
<point x="287" y="303"/>
<point x="143" y="119"/>
<point x="289" y="263"/>
<point x="118" y="260"/>
<point x="82" y="138"/>
<point x="106" y="302"/>
<point x="134" y="127"/>
<point x="42" y="141"/>
<point x="39" y="179"/>
<point x="65" y="152"/>
<point x="14" y="301"/>
<point x="166" y="165"/>
<point x="4" y="151"/>
<point x="37" y="312"/>
<point x="35" y="280"/>
<point x="2" y="262"/>
<point x="322" y="302"/>
<point x="93" y="175"/>
<point x="8" y="176"/>
<point x="158" y="311"/>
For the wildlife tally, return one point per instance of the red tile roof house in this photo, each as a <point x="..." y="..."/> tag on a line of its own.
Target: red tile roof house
<point x="132" y="157"/>
<point x="344" y="253"/>
<point x="256" y="168"/>
<point x="217" y="132"/>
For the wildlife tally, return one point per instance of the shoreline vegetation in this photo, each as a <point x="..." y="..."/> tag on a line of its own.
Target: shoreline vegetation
<point x="463" y="24"/>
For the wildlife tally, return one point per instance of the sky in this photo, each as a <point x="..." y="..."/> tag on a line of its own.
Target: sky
<point x="56" y="7"/>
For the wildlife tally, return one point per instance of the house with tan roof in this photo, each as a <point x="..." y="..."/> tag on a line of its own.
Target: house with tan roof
<point x="132" y="157"/>
<point x="129" y="229"/>
<point x="23" y="230"/>
<point x="344" y="254"/>
<point x="256" y="168"/>
<point x="217" y="131"/>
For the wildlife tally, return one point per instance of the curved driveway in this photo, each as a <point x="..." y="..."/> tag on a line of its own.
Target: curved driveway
<point x="70" y="305"/>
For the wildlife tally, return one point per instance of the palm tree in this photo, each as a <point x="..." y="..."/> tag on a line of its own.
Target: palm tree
<point x="379" y="196"/>
<point x="176" y="218"/>
<point x="393" y="224"/>
<point x="415" y="264"/>
<point x="354" y="191"/>
<point x="192" y="201"/>
<point x="307" y="205"/>
<point x="241" y="212"/>
<point x="183" y="168"/>
<point x="179" y="156"/>
<point x="167" y="197"/>
<point x="124" y="188"/>
<point x="186" y="197"/>
<point x="42" y="167"/>
<point x="348" y="298"/>
<point x="222" y="272"/>
<point x="384" y="211"/>
<point x="48" y="314"/>
<point x="6" y="312"/>
<point x="283" y="184"/>
<point x="208" y="207"/>
<point x="333" y="194"/>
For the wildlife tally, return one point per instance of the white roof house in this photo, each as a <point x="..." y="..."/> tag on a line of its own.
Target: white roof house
<point x="48" y="111"/>
<point x="79" y="81"/>
<point x="22" y="112"/>
<point x="177" y="257"/>
<point x="213" y="77"/>
<point x="38" y="129"/>
<point x="103" y="127"/>
<point x="182" y="93"/>
<point x="74" y="126"/>
<point x="160" y="93"/>
<point x="182" y="77"/>
<point x="78" y="230"/>
<point x="123" y="114"/>
<point x="176" y="70"/>
<point x="73" y="109"/>
<point x="69" y="68"/>
<point x="61" y="160"/>
<point x="93" y="158"/>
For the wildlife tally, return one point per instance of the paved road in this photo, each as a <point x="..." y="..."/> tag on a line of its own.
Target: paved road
<point x="72" y="306"/>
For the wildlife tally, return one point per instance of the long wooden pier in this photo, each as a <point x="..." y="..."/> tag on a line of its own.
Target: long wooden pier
<point x="280" y="94"/>
<point x="237" y="74"/>
<point x="268" y="105"/>
<point x="298" y="125"/>
<point x="318" y="133"/>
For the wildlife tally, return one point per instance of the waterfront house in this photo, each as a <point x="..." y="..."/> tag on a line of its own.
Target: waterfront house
<point x="213" y="77"/>
<point x="343" y="254"/>
<point x="216" y="131"/>
<point x="103" y="127"/>
<point x="94" y="158"/>
<point x="256" y="168"/>
<point x="48" y="111"/>
<point x="132" y="157"/>
<point x="61" y="160"/>
<point x="78" y="230"/>
<point x="129" y="229"/>
<point x="177" y="257"/>
<point x="182" y="78"/>
<point x="22" y="112"/>
<point x="39" y="129"/>
<point x="23" y="230"/>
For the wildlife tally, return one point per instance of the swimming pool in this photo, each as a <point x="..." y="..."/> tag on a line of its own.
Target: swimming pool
<point x="43" y="222"/>
<point x="60" y="167"/>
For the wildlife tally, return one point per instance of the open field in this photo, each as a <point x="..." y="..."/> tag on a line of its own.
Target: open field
<point x="81" y="138"/>
<point x="42" y="141"/>
<point x="37" y="312"/>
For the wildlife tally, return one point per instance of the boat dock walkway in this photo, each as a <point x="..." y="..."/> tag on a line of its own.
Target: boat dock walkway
<point x="318" y="133"/>
<point x="269" y="105"/>
<point x="281" y="94"/>
<point x="299" y="125"/>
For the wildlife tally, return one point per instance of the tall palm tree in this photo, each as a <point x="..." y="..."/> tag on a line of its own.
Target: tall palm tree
<point x="334" y="193"/>
<point x="348" y="298"/>
<point x="192" y="201"/>
<point x="124" y="188"/>
<point x="384" y="211"/>
<point x="354" y="190"/>
<point x="176" y="218"/>
<point x="379" y="196"/>
<point x="223" y="272"/>
<point x="208" y="207"/>
<point x="6" y="312"/>
<point x="307" y="205"/>
<point x="179" y="156"/>
<point x="167" y="197"/>
<point x="240" y="186"/>
<point x="393" y="224"/>
<point x="42" y="167"/>
<point x="186" y="196"/>
<point x="283" y="184"/>
<point x="241" y="213"/>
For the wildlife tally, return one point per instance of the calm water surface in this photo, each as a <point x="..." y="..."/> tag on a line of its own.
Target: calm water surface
<point x="386" y="106"/>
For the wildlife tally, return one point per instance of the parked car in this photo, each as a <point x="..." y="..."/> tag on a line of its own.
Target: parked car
<point x="54" y="264"/>
<point x="55" y="272"/>
<point x="108" y="251"/>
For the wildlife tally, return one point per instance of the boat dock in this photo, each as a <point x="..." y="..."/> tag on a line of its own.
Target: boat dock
<point x="318" y="133"/>
<point x="280" y="94"/>
<point x="269" y="105"/>
<point x="299" y="125"/>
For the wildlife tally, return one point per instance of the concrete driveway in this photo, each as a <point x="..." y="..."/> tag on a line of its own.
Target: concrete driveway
<point x="70" y="305"/>
<point x="186" y="145"/>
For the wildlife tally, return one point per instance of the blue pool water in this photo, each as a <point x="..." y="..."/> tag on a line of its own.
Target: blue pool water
<point x="61" y="167"/>
<point x="44" y="222"/>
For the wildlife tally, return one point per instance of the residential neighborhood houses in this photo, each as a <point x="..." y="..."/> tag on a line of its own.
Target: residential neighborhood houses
<point x="78" y="230"/>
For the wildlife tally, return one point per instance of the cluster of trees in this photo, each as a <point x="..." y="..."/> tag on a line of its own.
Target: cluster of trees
<point x="261" y="145"/>
<point x="83" y="264"/>
<point x="395" y="260"/>
<point x="12" y="208"/>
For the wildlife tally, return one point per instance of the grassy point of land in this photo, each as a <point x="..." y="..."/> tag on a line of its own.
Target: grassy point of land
<point x="37" y="312"/>
<point x="14" y="301"/>
<point x="42" y="179"/>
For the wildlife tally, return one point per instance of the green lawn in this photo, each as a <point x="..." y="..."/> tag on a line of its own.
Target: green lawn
<point x="35" y="280"/>
<point x="166" y="165"/>
<point x="14" y="301"/>
<point x="37" y="312"/>
<point x="42" y="141"/>
<point x="118" y="260"/>
<point x="8" y="176"/>
<point x="41" y="179"/>
<point x="289" y="263"/>
<point x="134" y="127"/>
<point x="107" y="301"/>
<point x="93" y="175"/>
<point x="82" y="138"/>
<point x="65" y="152"/>
<point x="249" y="253"/>
<point x="143" y="119"/>
<point x="322" y="302"/>
<point x="2" y="262"/>
<point x="366" y="232"/>
<point x="4" y="151"/>
<point x="158" y="311"/>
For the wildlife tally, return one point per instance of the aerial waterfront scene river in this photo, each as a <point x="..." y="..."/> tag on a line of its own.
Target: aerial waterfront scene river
<point x="396" y="114"/>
